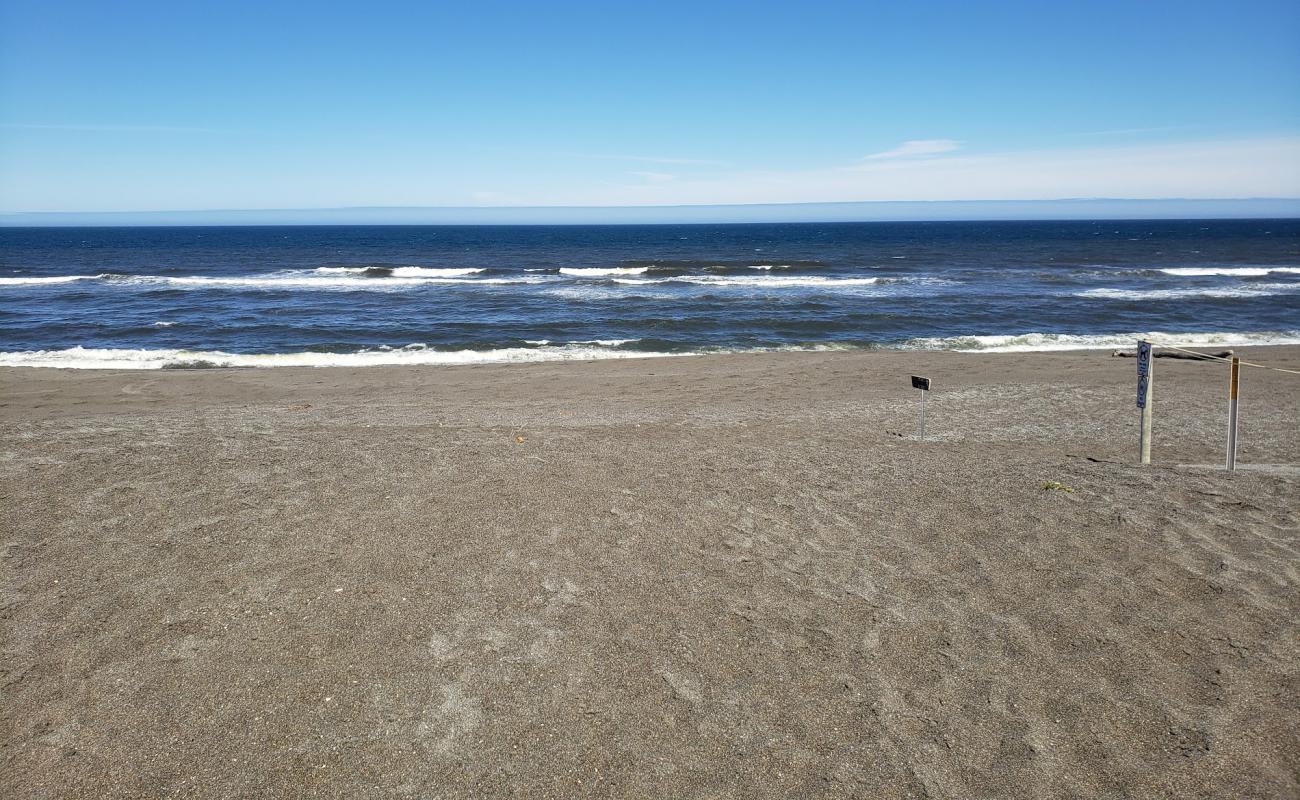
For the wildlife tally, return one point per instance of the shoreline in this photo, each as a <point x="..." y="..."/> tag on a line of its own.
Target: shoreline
<point x="101" y="359"/>
<point x="1095" y="386"/>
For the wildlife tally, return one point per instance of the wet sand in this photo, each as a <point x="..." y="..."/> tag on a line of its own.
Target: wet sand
<point x="734" y="576"/>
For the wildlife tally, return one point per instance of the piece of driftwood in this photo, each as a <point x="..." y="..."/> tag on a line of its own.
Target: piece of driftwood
<point x="1175" y="354"/>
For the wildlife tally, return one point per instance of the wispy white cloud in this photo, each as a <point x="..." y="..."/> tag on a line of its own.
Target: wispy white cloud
<point x="654" y="177"/>
<point x="1241" y="168"/>
<point x="916" y="148"/>
<point x="1127" y="131"/>
<point x="105" y="128"/>
<point x="1259" y="167"/>
<point x="695" y="162"/>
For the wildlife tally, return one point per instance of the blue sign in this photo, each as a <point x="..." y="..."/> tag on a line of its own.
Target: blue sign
<point x="1144" y="372"/>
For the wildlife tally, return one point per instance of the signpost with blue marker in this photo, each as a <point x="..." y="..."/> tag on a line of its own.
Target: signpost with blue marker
<point x="1145" y="381"/>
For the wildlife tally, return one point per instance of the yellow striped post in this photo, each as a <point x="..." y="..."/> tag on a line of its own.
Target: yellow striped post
<point x="1232" y="412"/>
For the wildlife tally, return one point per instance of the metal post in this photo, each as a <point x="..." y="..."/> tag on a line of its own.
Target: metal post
<point x="1146" y="427"/>
<point x="1146" y="390"/>
<point x="923" y="394"/>
<point x="1232" y="413"/>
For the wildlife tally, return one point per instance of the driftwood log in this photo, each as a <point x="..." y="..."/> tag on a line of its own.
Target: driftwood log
<point x="1175" y="354"/>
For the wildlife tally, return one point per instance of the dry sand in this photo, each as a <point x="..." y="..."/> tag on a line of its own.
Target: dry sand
<point x="709" y="577"/>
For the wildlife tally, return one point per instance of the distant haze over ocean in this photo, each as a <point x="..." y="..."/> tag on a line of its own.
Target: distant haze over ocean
<point x="901" y="211"/>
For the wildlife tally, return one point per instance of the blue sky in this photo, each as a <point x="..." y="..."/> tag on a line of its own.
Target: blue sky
<point x="130" y="106"/>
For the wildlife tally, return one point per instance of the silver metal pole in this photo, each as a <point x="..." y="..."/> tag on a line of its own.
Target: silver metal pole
<point x="923" y="394"/>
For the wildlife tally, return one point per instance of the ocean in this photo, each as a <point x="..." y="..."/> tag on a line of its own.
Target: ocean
<point x="359" y="295"/>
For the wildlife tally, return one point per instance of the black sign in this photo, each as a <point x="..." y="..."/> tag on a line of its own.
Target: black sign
<point x="920" y="383"/>
<point x="1144" y="372"/>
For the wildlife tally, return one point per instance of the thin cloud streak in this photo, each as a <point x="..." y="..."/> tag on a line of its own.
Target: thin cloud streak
<point x="695" y="162"/>
<point x="1209" y="169"/>
<point x="106" y="128"/>
<point x="916" y="148"/>
<point x="1124" y="131"/>
<point x="654" y="177"/>
<point x="1243" y="168"/>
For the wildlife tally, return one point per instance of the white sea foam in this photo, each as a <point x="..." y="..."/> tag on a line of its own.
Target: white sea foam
<point x="584" y="292"/>
<point x="605" y="342"/>
<point x="418" y="355"/>
<point x="601" y="272"/>
<point x="363" y="279"/>
<point x="759" y="281"/>
<point x="1031" y="342"/>
<point x="105" y="358"/>
<point x="162" y="324"/>
<point x="601" y="342"/>
<point x="777" y="281"/>
<point x="44" y="280"/>
<point x="301" y="281"/>
<point x="344" y="271"/>
<point x="1240" y="272"/>
<point x="1252" y="290"/>
<point x="432" y="272"/>
<point x="291" y="282"/>
<point x="348" y="278"/>
<point x="399" y="272"/>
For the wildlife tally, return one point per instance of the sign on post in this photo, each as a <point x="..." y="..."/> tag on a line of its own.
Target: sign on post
<point x="1144" y="372"/>
<point x="1144" y="398"/>
<point x="924" y="385"/>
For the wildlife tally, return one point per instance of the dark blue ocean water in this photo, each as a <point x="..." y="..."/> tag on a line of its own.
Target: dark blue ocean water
<point x="440" y="294"/>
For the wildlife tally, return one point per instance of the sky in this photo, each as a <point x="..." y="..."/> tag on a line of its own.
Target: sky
<point x="169" y="106"/>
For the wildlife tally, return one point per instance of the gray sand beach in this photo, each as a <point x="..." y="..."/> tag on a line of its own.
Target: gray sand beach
<point x="733" y="576"/>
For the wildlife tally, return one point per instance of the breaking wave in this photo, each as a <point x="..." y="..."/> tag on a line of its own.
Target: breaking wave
<point x="601" y="272"/>
<point x="348" y="278"/>
<point x="1253" y="290"/>
<point x="1239" y="272"/>
<point x="382" y="278"/>
<point x="1034" y="342"/>
<point x="412" y="355"/>
<point x="761" y="281"/>
<point x="399" y="272"/>
<point x="597" y="349"/>
<point x="47" y="280"/>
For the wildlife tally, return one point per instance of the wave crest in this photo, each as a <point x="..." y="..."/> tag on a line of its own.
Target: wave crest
<point x="1239" y="272"/>
<point x="595" y="349"/>
<point x="411" y="355"/>
<point x="1041" y="342"/>
<point x="399" y="272"/>
<point x="759" y="281"/>
<point x="45" y="280"/>
<point x="601" y="272"/>
<point x="1253" y="290"/>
